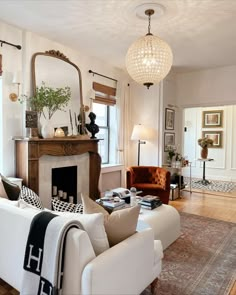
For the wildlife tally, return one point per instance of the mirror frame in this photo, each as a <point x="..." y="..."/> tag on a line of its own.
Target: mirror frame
<point x="57" y="54"/>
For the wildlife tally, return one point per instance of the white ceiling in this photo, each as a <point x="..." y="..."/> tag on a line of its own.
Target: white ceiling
<point x="201" y="33"/>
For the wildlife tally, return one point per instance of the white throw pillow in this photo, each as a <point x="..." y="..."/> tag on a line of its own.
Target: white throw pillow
<point x="94" y="226"/>
<point x="24" y="205"/>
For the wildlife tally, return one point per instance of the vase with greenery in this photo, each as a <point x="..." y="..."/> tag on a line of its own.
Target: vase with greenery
<point x="171" y="152"/>
<point x="46" y="101"/>
<point x="204" y="144"/>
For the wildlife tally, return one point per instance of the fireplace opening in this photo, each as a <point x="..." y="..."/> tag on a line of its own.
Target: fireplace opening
<point x="64" y="184"/>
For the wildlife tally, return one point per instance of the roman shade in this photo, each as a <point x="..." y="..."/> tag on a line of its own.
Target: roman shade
<point x="104" y="94"/>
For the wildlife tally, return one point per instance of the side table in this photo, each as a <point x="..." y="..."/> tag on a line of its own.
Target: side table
<point x="204" y="181"/>
<point x="176" y="167"/>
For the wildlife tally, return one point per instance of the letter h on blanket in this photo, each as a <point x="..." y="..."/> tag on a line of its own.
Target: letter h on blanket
<point x="43" y="262"/>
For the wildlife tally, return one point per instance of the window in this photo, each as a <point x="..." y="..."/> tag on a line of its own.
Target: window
<point x="102" y="120"/>
<point x="105" y="110"/>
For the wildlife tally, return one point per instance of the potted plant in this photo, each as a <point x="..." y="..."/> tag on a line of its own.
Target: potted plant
<point x="204" y="144"/>
<point x="171" y="153"/>
<point x="46" y="101"/>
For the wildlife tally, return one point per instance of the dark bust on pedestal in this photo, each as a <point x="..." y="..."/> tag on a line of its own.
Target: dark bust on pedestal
<point x="92" y="127"/>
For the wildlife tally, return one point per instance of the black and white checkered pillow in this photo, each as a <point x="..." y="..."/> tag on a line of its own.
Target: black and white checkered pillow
<point x="30" y="197"/>
<point x="61" y="206"/>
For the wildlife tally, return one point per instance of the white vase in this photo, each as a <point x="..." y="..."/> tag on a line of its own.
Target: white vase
<point x="47" y="130"/>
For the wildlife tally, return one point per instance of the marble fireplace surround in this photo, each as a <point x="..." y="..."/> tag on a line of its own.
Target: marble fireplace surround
<point x="47" y="163"/>
<point x="35" y="159"/>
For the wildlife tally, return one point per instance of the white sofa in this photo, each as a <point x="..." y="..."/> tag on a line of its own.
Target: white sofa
<point x="126" y="268"/>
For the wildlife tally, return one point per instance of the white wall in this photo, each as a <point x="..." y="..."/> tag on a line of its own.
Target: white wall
<point x="145" y="109"/>
<point x="20" y="60"/>
<point x="170" y="102"/>
<point x="11" y="123"/>
<point x="209" y="87"/>
<point x="213" y="89"/>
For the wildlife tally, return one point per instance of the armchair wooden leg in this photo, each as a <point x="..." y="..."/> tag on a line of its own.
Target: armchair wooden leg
<point x="154" y="286"/>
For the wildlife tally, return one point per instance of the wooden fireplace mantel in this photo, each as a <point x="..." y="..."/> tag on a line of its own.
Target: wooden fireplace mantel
<point x="28" y="152"/>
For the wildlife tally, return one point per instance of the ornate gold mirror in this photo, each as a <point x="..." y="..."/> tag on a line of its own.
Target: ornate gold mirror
<point x="55" y="70"/>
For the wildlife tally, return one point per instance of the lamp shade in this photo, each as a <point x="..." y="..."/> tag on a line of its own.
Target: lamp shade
<point x="140" y="132"/>
<point x="149" y="60"/>
<point x="16" y="78"/>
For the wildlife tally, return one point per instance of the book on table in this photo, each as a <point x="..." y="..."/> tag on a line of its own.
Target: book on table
<point x="112" y="203"/>
<point x="150" y="202"/>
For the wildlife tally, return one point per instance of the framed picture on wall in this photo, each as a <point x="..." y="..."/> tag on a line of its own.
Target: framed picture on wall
<point x="169" y="119"/>
<point x="169" y="140"/>
<point x="212" y="119"/>
<point x="216" y="136"/>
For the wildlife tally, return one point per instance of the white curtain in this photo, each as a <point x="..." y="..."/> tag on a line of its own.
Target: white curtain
<point x="123" y="111"/>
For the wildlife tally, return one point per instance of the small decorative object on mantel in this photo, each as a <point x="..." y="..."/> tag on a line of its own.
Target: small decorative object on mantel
<point x="81" y="121"/>
<point x="205" y="143"/>
<point x="59" y="132"/>
<point x="31" y="121"/>
<point x="92" y="127"/>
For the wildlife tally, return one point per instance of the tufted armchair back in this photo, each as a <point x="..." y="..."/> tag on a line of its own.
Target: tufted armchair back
<point x="150" y="179"/>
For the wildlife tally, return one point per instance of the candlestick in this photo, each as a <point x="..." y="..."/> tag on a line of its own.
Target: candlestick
<point x="54" y="190"/>
<point x="64" y="195"/>
<point x="71" y="199"/>
<point x="60" y="193"/>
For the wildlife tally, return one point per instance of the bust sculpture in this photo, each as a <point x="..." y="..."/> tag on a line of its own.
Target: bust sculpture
<point x="92" y="127"/>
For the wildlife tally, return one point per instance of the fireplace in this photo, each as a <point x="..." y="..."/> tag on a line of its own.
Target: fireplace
<point x="64" y="183"/>
<point x="59" y="172"/>
<point x="35" y="159"/>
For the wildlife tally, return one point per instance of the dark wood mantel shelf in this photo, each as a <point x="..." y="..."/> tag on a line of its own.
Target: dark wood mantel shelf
<point x="29" y="150"/>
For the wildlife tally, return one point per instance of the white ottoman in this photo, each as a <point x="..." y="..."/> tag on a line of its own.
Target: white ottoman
<point x="165" y="222"/>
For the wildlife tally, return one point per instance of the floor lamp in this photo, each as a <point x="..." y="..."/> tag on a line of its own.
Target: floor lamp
<point x="139" y="133"/>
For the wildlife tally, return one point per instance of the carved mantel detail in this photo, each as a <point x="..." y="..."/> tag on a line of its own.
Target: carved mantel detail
<point x="28" y="152"/>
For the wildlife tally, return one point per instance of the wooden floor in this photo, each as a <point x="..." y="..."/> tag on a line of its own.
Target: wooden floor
<point x="219" y="206"/>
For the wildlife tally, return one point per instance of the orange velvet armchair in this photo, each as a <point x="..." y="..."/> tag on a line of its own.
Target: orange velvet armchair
<point x="151" y="180"/>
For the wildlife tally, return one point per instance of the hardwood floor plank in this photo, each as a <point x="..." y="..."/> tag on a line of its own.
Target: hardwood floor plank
<point x="220" y="207"/>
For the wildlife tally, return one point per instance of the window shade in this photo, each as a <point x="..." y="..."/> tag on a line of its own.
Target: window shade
<point x="0" y="65"/>
<point x="104" y="94"/>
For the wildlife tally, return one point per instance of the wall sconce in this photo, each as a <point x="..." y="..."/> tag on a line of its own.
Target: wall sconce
<point x="141" y="133"/>
<point x="16" y="80"/>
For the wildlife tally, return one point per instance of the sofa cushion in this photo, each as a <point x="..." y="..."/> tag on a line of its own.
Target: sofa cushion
<point x="142" y="175"/>
<point x="12" y="190"/>
<point x="9" y="202"/>
<point x="119" y="225"/>
<point x="61" y="206"/>
<point x="94" y="226"/>
<point x="24" y="205"/>
<point x="30" y="197"/>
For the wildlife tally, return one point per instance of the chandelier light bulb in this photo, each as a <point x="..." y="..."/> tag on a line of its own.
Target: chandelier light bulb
<point x="149" y="59"/>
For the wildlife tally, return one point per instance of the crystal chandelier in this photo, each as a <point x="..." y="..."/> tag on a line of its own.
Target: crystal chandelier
<point x="149" y="59"/>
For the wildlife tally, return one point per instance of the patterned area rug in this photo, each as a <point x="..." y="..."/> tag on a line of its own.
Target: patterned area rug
<point x="215" y="185"/>
<point x="202" y="261"/>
